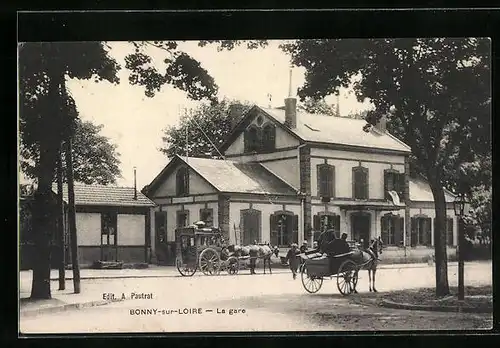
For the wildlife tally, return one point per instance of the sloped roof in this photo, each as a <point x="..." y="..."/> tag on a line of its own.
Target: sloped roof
<point x="338" y="130"/>
<point x="106" y="195"/>
<point x="230" y="176"/>
<point x="420" y="191"/>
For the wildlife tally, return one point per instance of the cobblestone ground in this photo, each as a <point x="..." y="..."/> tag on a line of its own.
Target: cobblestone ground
<point x="271" y="302"/>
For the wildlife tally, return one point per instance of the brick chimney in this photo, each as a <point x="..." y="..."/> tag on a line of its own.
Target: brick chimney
<point x="290" y="107"/>
<point x="381" y="125"/>
<point x="235" y="113"/>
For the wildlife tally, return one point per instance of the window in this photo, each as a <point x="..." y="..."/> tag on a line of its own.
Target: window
<point x="392" y="230"/>
<point x="182" y="218"/>
<point x="284" y="229"/>
<point x="323" y="222"/>
<point x="394" y="181"/>
<point x="108" y="236"/>
<point x="421" y="231"/>
<point x="326" y="180"/>
<point x="182" y="181"/>
<point x="252" y="139"/>
<point x="360" y="182"/>
<point x="268" y="137"/>
<point x="207" y="216"/>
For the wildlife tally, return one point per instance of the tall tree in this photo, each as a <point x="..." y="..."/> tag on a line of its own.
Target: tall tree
<point x="435" y="92"/>
<point x="200" y="128"/>
<point x="95" y="158"/>
<point x="48" y="112"/>
<point x="47" y="116"/>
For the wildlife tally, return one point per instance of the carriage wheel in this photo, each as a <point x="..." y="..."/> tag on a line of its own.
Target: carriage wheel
<point x="233" y="265"/>
<point x="185" y="269"/>
<point x="209" y="262"/>
<point x="347" y="277"/>
<point x="312" y="284"/>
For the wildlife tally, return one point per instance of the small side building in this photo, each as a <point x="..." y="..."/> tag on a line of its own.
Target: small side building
<point x="113" y="224"/>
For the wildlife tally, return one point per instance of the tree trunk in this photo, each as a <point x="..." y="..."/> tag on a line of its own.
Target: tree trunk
<point x="43" y="221"/>
<point x="442" y="287"/>
<point x="44" y="213"/>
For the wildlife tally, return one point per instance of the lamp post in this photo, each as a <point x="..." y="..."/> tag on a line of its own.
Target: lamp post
<point x="281" y="225"/>
<point x="460" y="205"/>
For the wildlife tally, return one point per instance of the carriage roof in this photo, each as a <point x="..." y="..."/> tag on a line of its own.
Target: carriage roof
<point x="195" y="231"/>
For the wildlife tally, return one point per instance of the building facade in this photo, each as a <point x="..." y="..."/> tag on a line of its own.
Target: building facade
<point x="112" y="224"/>
<point x="286" y="176"/>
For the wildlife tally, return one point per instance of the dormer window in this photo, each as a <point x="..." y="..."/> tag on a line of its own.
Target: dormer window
<point x="252" y="139"/>
<point x="360" y="182"/>
<point x="182" y="181"/>
<point x="268" y="137"/>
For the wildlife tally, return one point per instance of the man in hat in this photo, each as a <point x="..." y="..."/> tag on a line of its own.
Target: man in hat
<point x="343" y="246"/>
<point x="293" y="260"/>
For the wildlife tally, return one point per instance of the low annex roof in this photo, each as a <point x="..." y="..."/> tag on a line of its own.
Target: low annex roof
<point x="337" y="130"/>
<point x="420" y="191"/>
<point x="230" y="176"/>
<point x="106" y="195"/>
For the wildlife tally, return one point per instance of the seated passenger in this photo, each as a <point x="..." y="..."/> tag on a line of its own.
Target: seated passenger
<point x="343" y="246"/>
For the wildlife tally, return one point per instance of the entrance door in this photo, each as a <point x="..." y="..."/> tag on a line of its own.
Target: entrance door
<point x="251" y="226"/>
<point x="109" y="250"/>
<point x="360" y="228"/>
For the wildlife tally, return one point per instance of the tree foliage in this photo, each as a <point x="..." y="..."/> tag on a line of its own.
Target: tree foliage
<point x="200" y="130"/>
<point x="181" y="71"/>
<point x="435" y="93"/>
<point x="317" y="106"/>
<point x="95" y="158"/>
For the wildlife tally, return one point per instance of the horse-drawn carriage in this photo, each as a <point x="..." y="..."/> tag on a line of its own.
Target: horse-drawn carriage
<point x="202" y="248"/>
<point x="317" y="265"/>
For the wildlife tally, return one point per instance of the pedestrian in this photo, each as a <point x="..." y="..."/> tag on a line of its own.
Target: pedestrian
<point x="292" y="259"/>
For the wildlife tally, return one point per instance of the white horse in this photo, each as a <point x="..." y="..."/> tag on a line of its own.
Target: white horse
<point x="255" y="251"/>
<point x="369" y="261"/>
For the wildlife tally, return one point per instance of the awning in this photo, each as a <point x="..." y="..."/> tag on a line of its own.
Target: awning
<point x="367" y="205"/>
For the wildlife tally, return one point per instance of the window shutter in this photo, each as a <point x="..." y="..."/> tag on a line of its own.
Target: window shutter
<point x="384" y="231"/>
<point x="316" y="223"/>
<point x="414" y="235"/>
<point x="319" y="179"/>
<point x="332" y="181"/>
<point x="295" y="229"/>
<point x="401" y="184"/>
<point x="428" y="231"/>
<point x="365" y="186"/>
<point x="399" y="232"/>
<point x="273" y="225"/>
<point x="386" y="183"/>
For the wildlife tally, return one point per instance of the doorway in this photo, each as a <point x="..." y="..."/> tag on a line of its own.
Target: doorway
<point x="251" y="222"/>
<point x="360" y="227"/>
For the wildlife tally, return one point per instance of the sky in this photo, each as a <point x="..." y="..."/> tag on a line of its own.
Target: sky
<point x="135" y="123"/>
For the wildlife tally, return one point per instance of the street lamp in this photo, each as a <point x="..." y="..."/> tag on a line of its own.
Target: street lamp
<point x="461" y="207"/>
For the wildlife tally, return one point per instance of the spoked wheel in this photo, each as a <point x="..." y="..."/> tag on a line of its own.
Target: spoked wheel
<point x="209" y="262"/>
<point x="186" y="269"/>
<point x="233" y="265"/>
<point x="347" y="277"/>
<point x="312" y="284"/>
